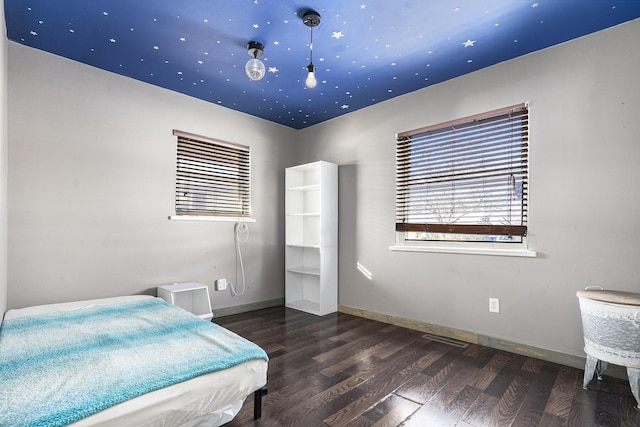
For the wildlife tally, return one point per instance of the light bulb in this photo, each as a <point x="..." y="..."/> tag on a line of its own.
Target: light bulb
<point x="254" y="69"/>
<point x="311" y="81"/>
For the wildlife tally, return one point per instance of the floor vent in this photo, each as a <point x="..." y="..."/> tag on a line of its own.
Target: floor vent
<point x="445" y="340"/>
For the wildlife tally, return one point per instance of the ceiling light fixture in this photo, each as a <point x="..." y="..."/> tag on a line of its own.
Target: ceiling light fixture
<point x="311" y="19"/>
<point x="255" y="67"/>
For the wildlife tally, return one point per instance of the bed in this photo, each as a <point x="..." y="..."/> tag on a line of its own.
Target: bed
<point x="125" y="361"/>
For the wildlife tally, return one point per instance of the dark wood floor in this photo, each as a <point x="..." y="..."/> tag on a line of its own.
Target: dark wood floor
<point x="341" y="370"/>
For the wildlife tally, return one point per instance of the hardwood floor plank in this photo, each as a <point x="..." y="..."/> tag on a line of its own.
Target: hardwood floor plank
<point x="380" y="350"/>
<point x="341" y="327"/>
<point x="448" y="414"/>
<point x="462" y="401"/>
<point x="480" y="410"/>
<point x="360" y="421"/>
<point x="445" y="399"/>
<point x="418" y="388"/>
<point x="505" y="375"/>
<point x="506" y="410"/>
<point x="428" y="416"/>
<point x="366" y="339"/>
<point x="397" y="341"/>
<point x="581" y="414"/>
<point x="562" y="393"/>
<point x="549" y="420"/>
<point x="333" y="412"/>
<point x="364" y="328"/>
<point x="533" y="365"/>
<point x="321" y="399"/>
<point x="445" y="360"/>
<point x="439" y="381"/>
<point x="497" y="362"/>
<point x="391" y="411"/>
<point x="482" y="379"/>
<point x="392" y="374"/>
<point x="534" y="403"/>
<point x="483" y="355"/>
<point x="474" y="350"/>
<point x="607" y="410"/>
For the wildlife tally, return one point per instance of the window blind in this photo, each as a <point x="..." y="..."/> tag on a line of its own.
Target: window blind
<point x="468" y="176"/>
<point x="212" y="177"/>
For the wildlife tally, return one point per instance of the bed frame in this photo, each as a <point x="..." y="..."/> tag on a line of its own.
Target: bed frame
<point x="257" y="402"/>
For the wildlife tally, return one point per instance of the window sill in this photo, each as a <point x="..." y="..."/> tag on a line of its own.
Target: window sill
<point x="473" y="251"/>
<point x="210" y="218"/>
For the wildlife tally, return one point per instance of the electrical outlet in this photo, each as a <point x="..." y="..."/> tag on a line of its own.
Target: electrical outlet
<point x="221" y="284"/>
<point x="494" y="305"/>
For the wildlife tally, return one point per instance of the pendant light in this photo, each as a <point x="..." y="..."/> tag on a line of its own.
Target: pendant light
<point x="311" y="19"/>
<point x="255" y="67"/>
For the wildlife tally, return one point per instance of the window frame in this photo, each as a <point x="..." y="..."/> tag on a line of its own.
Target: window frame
<point x="215" y="157"/>
<point x="460" y="246"/>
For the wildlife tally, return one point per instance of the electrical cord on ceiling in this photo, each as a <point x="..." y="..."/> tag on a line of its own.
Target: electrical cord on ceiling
<point x="241" y="235"/>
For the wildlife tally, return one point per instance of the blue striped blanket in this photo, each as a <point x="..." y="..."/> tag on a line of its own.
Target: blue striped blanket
<point x="60" y="367"/>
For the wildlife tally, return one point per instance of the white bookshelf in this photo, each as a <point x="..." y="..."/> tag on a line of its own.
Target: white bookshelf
<point x="311" y="235"/>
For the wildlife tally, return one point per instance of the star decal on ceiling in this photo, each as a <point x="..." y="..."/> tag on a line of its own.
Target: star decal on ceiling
<point x="469" y="43"/>
<point x="344" y="106"/>
<point x="337" y="35"/>
<point x="273" y="69"/>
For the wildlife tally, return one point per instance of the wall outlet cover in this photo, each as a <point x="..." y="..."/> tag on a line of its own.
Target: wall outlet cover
<point x="221" y="284"/>
<point x="494" y="305"/>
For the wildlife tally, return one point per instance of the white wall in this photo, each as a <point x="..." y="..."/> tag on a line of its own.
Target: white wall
<point x="3" y="165"/>
<point x="91" y="185"/>
<point x="584" y="204"/>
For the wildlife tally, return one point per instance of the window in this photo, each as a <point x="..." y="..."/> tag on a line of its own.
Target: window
<point x="464" y="180"/>
<point x="212" y="177"/>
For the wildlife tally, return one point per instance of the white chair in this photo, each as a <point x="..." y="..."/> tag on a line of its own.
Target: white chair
<point x="611" y="325"/>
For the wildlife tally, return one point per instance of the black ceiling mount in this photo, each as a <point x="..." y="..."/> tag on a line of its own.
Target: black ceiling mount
<point x="311" y="18"/>
<point x="255" y="49"/>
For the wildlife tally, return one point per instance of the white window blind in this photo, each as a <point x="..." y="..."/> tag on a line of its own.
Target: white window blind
<point x="212" y="177"/>
<point x="466" y="177"/>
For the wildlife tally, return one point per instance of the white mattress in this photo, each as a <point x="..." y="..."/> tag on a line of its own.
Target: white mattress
<point x="210" y="399"/>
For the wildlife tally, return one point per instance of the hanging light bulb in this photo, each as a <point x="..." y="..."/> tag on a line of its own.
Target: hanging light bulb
<point x="311" y="19"/>
<point x="255" y="68"/>
<point x="311" y="81"/>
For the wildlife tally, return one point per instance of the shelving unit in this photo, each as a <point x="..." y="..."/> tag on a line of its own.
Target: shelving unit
<point x="311" y="253"/>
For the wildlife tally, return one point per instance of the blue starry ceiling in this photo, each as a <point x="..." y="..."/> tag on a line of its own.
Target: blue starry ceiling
<point x="365" y="51"/>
